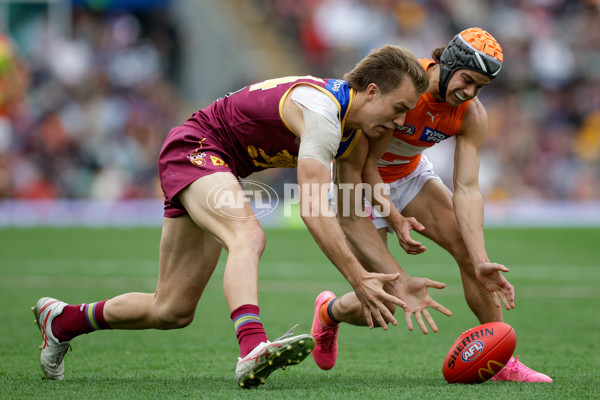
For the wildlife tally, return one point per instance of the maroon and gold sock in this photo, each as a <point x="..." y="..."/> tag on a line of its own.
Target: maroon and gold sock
<point x="248" y="327"/>
<point x="79" y="319"/>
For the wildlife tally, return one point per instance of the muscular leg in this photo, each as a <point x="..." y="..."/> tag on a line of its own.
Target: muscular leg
<point x="433" y="208"/>
<point x="188" y="257"/>
<point x="189" y="250"/>
<point x="236" y="228"/>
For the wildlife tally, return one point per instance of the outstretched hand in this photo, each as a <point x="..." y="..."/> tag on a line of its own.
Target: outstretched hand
<point x="489" y="275"/>
<point x="415" y="295"/>
<point x="403" y="229"/>
<point x="373" y="298"/>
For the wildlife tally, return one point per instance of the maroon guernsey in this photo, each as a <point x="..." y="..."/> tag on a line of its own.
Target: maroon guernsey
<point x="242" y="133"/>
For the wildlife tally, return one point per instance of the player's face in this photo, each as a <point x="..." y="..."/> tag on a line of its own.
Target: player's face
<point x="464" y="85"/>
<point x="385" y="113"/>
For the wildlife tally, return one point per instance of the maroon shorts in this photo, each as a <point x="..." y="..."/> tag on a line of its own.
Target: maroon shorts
<point x="187" y="155"/>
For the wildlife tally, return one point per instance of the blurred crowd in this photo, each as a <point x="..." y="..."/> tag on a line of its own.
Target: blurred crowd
<point x="544" y="109"/>
<point x="101" y="100"/>
<point x="99" y="103"/>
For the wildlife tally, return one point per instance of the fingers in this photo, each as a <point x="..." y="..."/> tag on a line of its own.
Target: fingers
<point x="416" y="224"/>
<point x="410" y="245"/>
<point x="381" y="321"/>
<point x="381" y="316"/>
<point x="504" y="302"/>
<point x="502" y="268"/>
<point x="441" y="308"/>
<point x="508" y="297"/>
<point x="434" y="284"/>
<point x="505" y="294"/>
<point x="392" y="299"/>
<point x="414" y="250"/>
<point x="419" y="318"/>
<point x="368" y="317"/>
<point x="430" y="321"/>
<point x="411" y="242"/>
<point x="511" y="294"/>
<point x="390" y="277"/>
<point x="499" y="267"/>
<point x="495" y="297"/>
<point x="421" y="323"/>
<point x="408" y="317"/>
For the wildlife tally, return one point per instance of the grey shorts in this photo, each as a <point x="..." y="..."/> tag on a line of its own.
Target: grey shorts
<point x="404" y="190"/>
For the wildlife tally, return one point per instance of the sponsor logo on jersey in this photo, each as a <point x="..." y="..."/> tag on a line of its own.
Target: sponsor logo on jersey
<point x="432" y="116"/>
<point x="406" y="129"/>
<point x="335" y="84"/>
<point x="432" y="135"/>
<point x="218" y="161"/>
<point x="197" y="158"/>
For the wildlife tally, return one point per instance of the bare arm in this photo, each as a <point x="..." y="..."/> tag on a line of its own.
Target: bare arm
<point x="401" y="225"/>
<point x="468" y="204"/>
<point x="314" y="181"/>
<point x="362" y="235"/>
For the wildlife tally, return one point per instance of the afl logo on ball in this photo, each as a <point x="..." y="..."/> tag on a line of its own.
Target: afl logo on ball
<point x="472" y="351"/>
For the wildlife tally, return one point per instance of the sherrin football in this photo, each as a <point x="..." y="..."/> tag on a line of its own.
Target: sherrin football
<point x="480" y="353"/>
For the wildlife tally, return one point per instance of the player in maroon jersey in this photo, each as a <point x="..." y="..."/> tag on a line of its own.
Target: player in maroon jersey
<point x="286" y="122"/>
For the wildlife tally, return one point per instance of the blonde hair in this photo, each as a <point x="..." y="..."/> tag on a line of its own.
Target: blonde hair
<point x="387" y="66"/>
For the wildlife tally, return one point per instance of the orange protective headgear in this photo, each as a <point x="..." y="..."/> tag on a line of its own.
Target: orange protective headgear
<point x="473" y="49"/>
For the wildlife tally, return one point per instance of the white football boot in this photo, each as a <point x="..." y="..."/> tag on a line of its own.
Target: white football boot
<point x="267" y="357"/>
<point x="53" y="352"/>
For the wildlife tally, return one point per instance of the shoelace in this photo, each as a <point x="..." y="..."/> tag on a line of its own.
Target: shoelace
<point x="517" y="370"/>
<point x="326" y="339"/>
<point x="521" y="369"/>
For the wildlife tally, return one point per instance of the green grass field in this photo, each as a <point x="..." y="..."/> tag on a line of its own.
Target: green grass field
<point x="556" y="273"/>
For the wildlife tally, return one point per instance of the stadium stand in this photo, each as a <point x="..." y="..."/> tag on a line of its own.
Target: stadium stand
<point x="106" y="85"/>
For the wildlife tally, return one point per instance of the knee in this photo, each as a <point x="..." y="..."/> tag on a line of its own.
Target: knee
<point x="169" y="318"/>
<point x="250" y="240"/>
<point x="258" y="241"/>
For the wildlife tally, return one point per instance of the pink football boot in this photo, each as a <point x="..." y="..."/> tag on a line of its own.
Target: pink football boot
<point x="516" y="371"/>
<point x="325" y="351"/>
